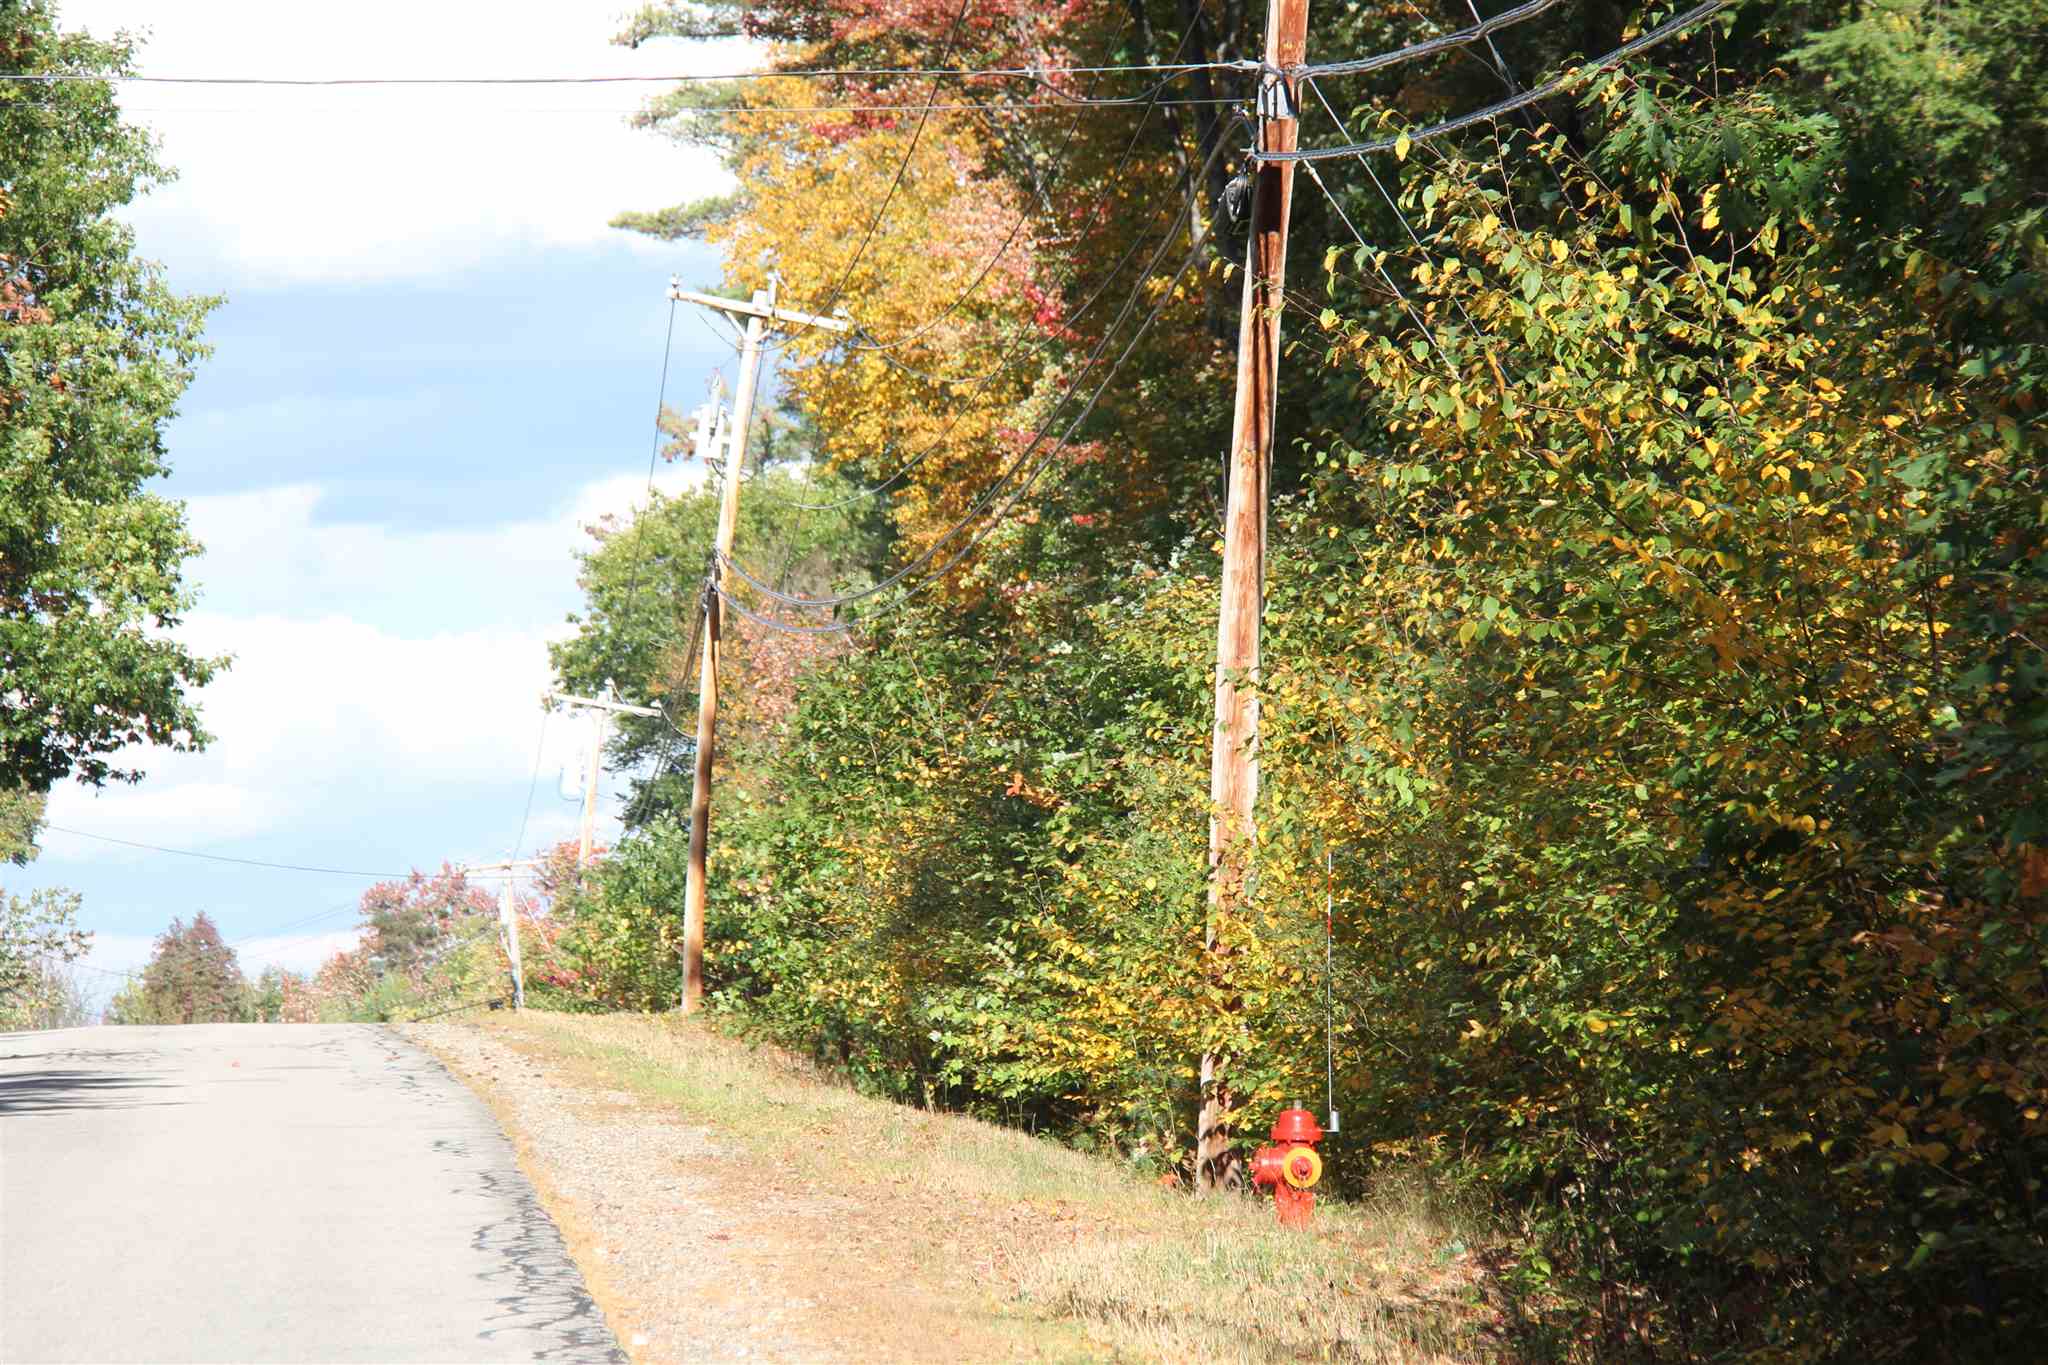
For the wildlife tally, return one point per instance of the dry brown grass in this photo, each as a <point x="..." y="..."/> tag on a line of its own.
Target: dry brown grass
<point x="1035" y="1231"/>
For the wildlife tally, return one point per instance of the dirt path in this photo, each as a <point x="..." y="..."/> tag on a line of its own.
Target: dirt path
<point x="698" y="1248"/>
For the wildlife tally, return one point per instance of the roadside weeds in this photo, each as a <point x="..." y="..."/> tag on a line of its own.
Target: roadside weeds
<point x="875" y="1231"/>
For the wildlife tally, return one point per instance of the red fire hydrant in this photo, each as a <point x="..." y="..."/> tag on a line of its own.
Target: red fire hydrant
<point x="1291" y="1166"/>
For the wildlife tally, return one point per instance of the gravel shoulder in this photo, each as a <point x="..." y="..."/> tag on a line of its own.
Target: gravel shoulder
<point x="726" y="1202"/>
<point x="700" y="1245"/>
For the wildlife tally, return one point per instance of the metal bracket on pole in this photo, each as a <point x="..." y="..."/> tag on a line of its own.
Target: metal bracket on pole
<point x="601" y="704"/>
<point x="508" y="920"/>
<point x="1278" y="99"/>
<point x="759" y="310"/>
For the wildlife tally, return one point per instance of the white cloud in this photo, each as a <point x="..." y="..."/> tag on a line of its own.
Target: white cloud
<point x="269" y="551"/>
<point x="358" y="183"/>
<point x="343" y="700"/>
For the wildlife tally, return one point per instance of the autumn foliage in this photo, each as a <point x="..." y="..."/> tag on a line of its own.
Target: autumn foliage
<point x="1655" y="680"/>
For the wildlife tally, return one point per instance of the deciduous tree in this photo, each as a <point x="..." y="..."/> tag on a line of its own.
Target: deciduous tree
<point x="95" y="349"/>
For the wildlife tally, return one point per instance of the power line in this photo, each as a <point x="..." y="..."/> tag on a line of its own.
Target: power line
<point x="1429" y="47"/>
<point x="329" y="913"/>
<point x="1399" y="216"/>
<point x="243" y="862"/>
<point x="1166" y="296"/>
<point x="454" y="1009"/>
<point x="748" y="110"/>
<point x="1038" y="73"/>
<point x="1041" y="184"/>
<point x="653" y="457"/>
<point x="533" y="781"/>
<point x="902" y="169"/>
<point x="1008" y="364"/>
<point x="1670" y="28"/>
<point x="988" y="495"/>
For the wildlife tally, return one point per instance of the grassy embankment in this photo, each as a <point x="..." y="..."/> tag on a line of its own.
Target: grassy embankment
<point x="1035" y="1229"/>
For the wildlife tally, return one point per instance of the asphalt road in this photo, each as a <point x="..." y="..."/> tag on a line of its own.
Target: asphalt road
<point x="268" y="1192"/>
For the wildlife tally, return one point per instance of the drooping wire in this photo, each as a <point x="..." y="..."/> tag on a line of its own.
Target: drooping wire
<point x="932" y="551"/>
<point x="329" y="913"/>
<point x="224" y="858"/>
<point x="1040" y="186"/>
<point x="1200" y="244"/>
<point x="653" y="457"/>
<point x="742" y="111"/>
<point x="1345" y="218"/>
<point x="902" y="168"/>
<point x="1429" y="47"/>
<point x="1010" y="364"/>
<point x="1035" y="74"/>
<point x="532" y="782"/>
<point x="1670" y="28"/>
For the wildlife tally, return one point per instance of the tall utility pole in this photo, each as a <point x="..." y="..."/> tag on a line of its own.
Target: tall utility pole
<point x="508" y="920"/>
<point x="1234" y="744"/>
<point x="757" y="313"/>
<point x="602" y="708"/>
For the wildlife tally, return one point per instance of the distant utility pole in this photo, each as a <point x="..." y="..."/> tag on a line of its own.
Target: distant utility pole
<point x="603" y="707"/>
<point x="757" y="313"/>
<point x="508" y="920"/>
<point x="1234" y="744"/>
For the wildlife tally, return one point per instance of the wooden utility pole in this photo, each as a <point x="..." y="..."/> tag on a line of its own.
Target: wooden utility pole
<point x="602" y="707"/>
<point x="757" y="313"/>
<point x="1234" y="744"/>
<point x="508" y="920"/>
<point x="600" y="726"/>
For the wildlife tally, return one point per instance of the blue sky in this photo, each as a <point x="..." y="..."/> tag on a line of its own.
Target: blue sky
<point x="435" y="365"/>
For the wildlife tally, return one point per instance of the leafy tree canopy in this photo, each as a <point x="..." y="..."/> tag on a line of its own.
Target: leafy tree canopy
<point x="38" y="932"/>
<point x="192" y="978"/>
<point x="95" y="350"/>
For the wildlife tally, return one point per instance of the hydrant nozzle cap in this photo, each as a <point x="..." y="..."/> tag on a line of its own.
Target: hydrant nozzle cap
<point x="1296" y="1125"/>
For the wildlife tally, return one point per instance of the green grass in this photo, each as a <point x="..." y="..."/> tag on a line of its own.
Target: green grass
<point x="1149" y="1272"/>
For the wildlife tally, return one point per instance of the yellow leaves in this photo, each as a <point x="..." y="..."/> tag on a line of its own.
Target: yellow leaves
<point x="1558" y="250"/>
<point x="1401" y="145"/>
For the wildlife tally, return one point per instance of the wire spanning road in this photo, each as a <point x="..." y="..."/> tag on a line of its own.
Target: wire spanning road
<point x="268" y="1192"/>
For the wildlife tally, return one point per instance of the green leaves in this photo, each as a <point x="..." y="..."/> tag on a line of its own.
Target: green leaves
<point x="96" y="352"/>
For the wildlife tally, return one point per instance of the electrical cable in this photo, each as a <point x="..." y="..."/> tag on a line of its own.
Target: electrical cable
<point x="739" y="110"/>
<point x="533" y="781"/>
<point x="1416" y="240"/>
<point x="653" y="457"/>
<point x="1670" y="28"/>
<point x="902" y="169"/>
<point x="1359" y="237"/>
<point x="1037" y="74"/>
<point x="496" y="1000"/>
<point x="1041" y="184"/>
<point x="1166" y="296"/>
<point x="276" y="951"/>
<point x="932" y="551"/>
<point x="244" y="862"/>
<point x="1429" y="47"/>
<point x="52" y="960"/>
<point x="1150" y="100"/>
<point x="1066" y="322"/>
<point x="1329" y="989"/>
<point x="328" y="913"/>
